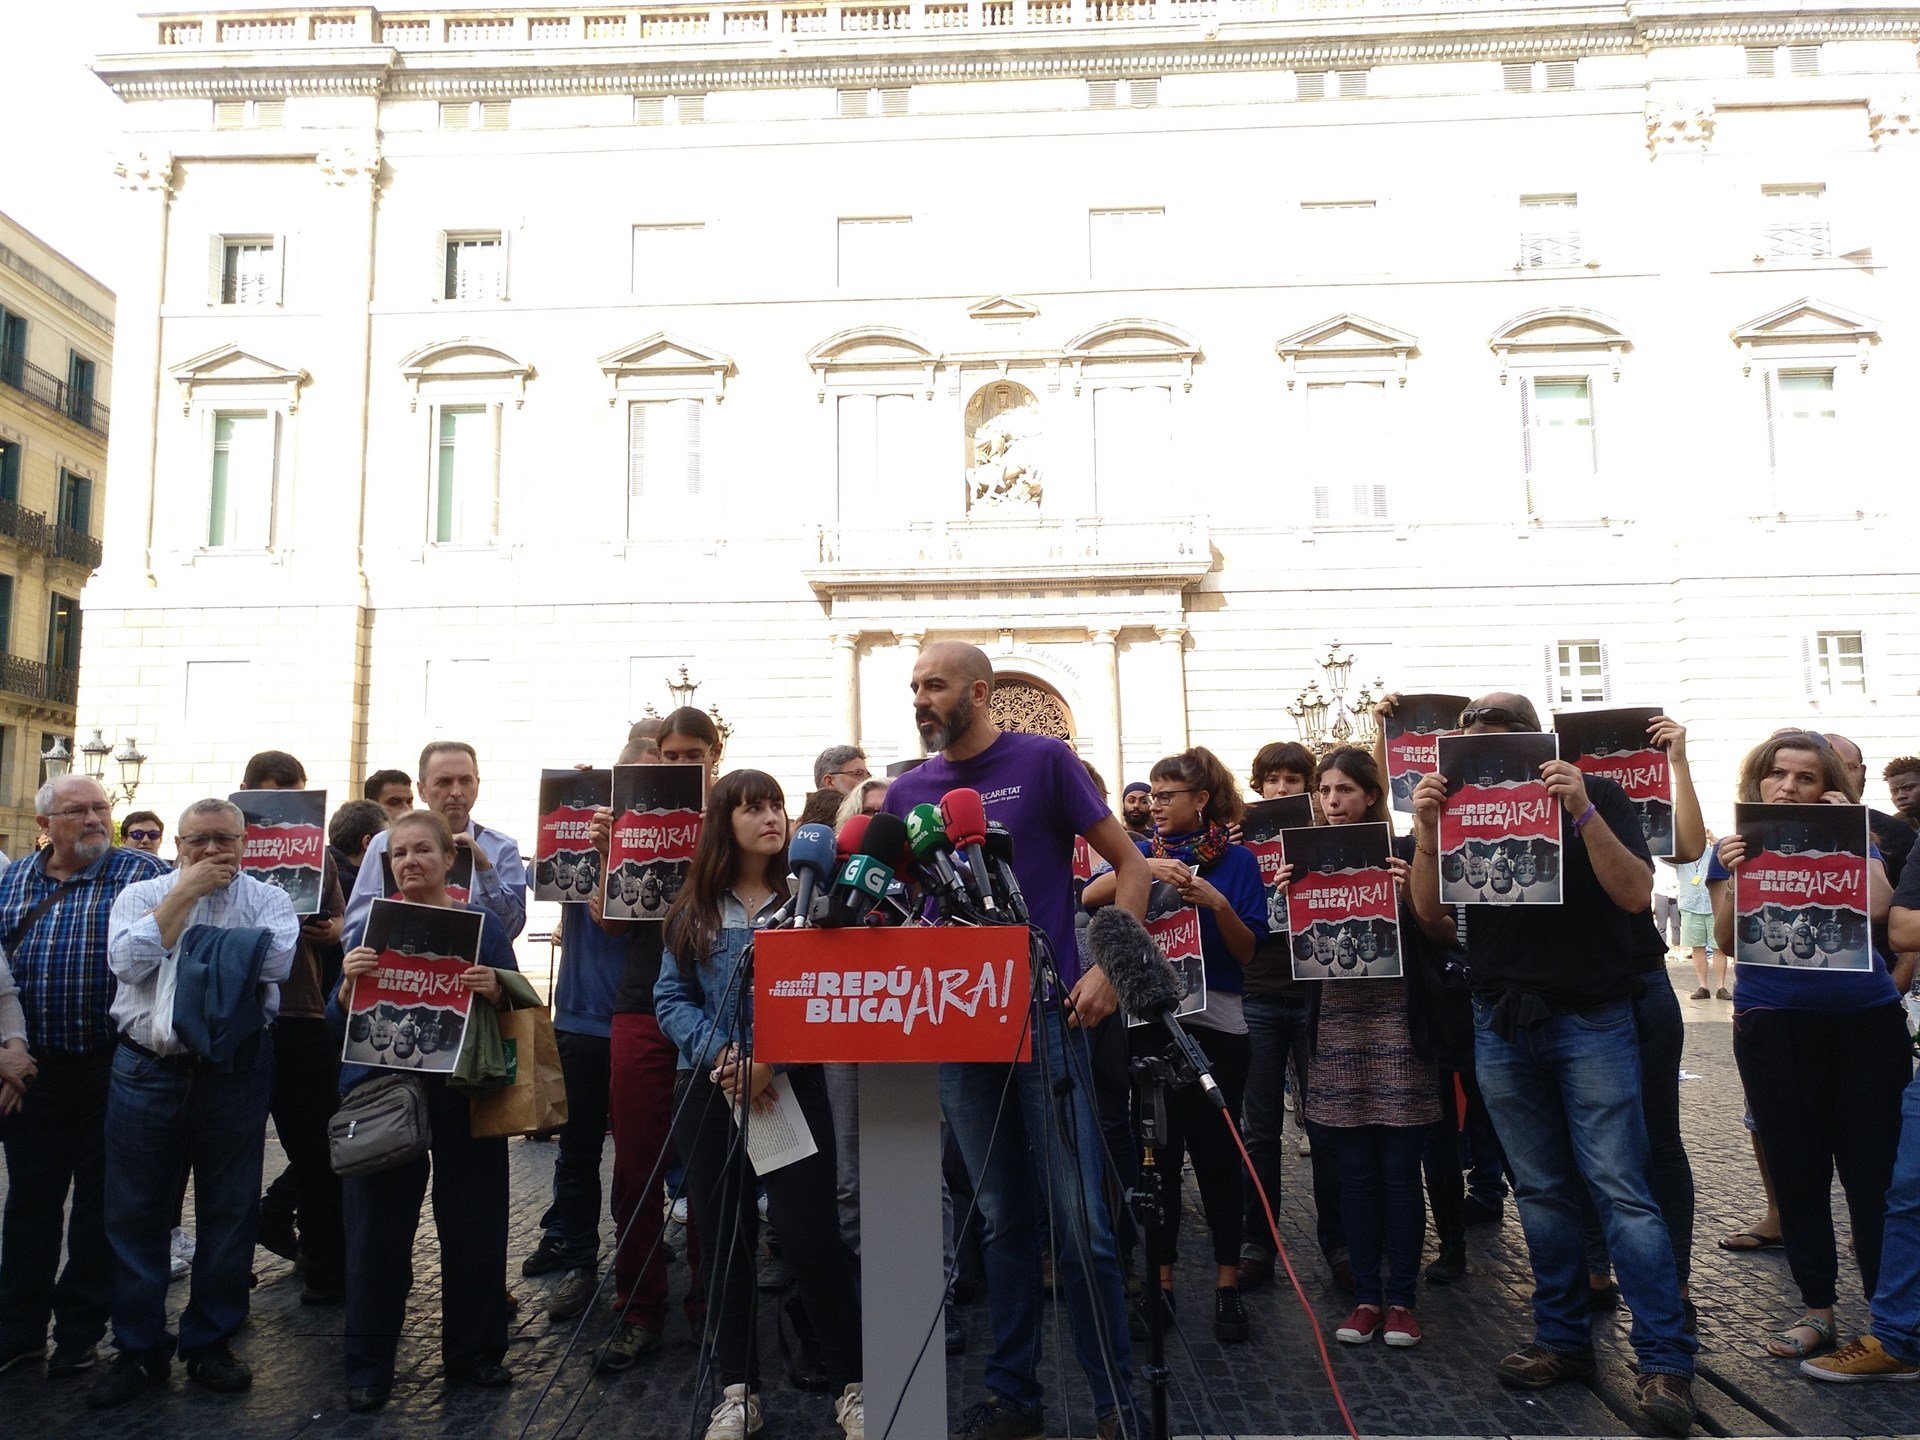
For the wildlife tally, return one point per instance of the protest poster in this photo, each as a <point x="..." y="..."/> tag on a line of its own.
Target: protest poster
<point x="656" y="823"/>
<point x="1260" y="830"/>
<point x="1500" y="830"/>
<point x="1613" y="743"/>
<point x="1409" y="733"/>
<point x="1800" y="896"/>
<point x="1343" y="904"/>
<point x="411" y="1013"/>
<point x="566" y="867"/>
<point x="286" y="842"/>
<point x="1175" y="928"/>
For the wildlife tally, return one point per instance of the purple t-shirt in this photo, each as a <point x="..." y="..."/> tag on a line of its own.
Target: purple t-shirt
<point x="1038" y="788"/>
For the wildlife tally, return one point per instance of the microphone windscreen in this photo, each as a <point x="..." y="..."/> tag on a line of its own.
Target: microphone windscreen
<point x="1124" y="950"/>
<point x="812" y="848"/>
<point x="851" y="834"/>
<point x="964" y="816"/>
<point x="925" y="833"/>
<point x="999" y="842"/>
<point x="886" y="840"/>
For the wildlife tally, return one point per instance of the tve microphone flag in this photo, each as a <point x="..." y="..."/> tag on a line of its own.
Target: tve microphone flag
<point x="286" y="842"/>
<point x="1343" y="906"/>
<point x="1500" y="830"/>
<point x="1800" y="896"/>
<point x="656" y="824"/>
<point x="1409" y="733"/>
<point x="1614" y="743"/>
<point x="566" y="867"/>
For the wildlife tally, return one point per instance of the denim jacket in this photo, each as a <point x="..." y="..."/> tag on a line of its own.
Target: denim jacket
<point x="700" y="1012"/>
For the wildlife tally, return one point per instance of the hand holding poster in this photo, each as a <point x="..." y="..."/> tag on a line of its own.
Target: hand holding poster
<point x="1614" y="743"/>
<point x="411" y="1012"/>
<point x="286" y="842"/>
<point x="1175" y="928"/>
<point x="566" y="867"/>
<point x="1800" y="895"/>
<point x="656" y="822"/>
<point x="1500" y="830"/>
<point x="1260" y="830"/>
<point x="1409" y="732"/>
<point x="1343" y="904"/>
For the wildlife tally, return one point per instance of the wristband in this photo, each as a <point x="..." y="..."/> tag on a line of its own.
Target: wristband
<point x="1420" y="849"/>
<point x="1584" y="818"/>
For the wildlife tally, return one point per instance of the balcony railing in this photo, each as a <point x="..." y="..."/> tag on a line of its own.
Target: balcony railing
<point x="77" y="546"/>
<point x="17" y="522"/>
<point x="35" y="681"/>
<point x="992" y="550"/>
<point x="1549" y="250"/>
<point x="50" y="390"/>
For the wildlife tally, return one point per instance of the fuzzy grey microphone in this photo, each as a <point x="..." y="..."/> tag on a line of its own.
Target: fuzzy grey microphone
<point x="1146" y="983"/>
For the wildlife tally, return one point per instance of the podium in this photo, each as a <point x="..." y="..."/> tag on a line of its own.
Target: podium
<point x="896" y="1002"/>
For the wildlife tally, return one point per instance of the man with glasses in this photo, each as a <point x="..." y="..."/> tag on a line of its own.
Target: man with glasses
<point x="165" y="1101"/>
<point x="1558" y="1058"/>
<point x="53" y="926"/>
<point x="142" y="830"/>
<point x="842" y="768"/>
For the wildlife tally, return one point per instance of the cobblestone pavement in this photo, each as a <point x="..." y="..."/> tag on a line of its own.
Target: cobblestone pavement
<point x="1272" y="1386"/>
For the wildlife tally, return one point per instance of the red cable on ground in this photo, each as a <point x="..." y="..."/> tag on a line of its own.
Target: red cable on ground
<point x="1319" y="1339"/>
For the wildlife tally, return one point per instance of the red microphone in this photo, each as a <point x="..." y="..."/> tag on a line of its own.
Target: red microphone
<point x="965" y="819"/>
<point x="847" y="842"/>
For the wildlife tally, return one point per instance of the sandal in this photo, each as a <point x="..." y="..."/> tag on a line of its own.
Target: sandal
<point x="1796" y="1349"/>
<point x="1760" y="1242"/>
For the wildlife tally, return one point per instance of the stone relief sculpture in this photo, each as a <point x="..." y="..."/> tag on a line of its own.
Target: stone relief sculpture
<point x="1003" y="448"/>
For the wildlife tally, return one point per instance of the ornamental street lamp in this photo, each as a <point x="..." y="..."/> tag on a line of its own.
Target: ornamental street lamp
<point x="1352" y="723"/>
<point x="128" y="757"/>
<point x="56" y="760"/>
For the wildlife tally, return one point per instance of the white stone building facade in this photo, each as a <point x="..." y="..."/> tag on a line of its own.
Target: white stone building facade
<point x="483" y="366"/>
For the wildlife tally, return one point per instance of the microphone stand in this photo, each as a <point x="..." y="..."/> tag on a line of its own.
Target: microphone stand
<point x="1155" y="1077"/>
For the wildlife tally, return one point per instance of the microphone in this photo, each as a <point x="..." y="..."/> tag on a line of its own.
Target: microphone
<point x="927" y="838"/>
<point x="863" y="879"/>
<point x="847" y="842"/>
<point x="965" y="819"/>
<point x="810" y="855"/>
<point x="999" y="851"/>
<point x="1146" y="984"/>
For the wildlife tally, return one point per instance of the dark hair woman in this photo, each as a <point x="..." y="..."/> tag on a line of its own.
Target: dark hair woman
<point x="469" y="1176"/>
<point x="1824" y="1058"/>
<point x="737" y="880"/>
<point x="1194" y="801"/>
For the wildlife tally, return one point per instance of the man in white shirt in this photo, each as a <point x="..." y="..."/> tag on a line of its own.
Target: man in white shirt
<point x="167" y="1106"/>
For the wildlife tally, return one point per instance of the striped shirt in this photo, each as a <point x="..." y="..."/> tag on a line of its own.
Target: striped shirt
<point x="60" y="964"/>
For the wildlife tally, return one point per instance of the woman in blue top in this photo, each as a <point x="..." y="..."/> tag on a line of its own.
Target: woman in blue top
<point x="737" y="879"/>
<point x="469" y="1176"/>
<point x="1824" y="1057"/>
<point x="1194" y="801"/>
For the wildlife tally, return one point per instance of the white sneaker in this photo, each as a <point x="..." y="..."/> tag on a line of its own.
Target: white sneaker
<point x="851" y="1411"/>
<point x="1305" y="1147"/>
<point x="180" y="1255"/>
<point x="762" y="1204"/>
<point x="678" y="1213"/>
<point x="736" y="1416"/>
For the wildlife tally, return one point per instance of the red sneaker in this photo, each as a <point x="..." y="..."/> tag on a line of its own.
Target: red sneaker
<point x="1359" y="1327"/>
<point x="1402" y="1329"/>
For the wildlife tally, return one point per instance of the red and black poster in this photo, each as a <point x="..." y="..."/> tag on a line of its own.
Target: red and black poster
<point x="1614" y="743"/>
<point x="459" y="879"/>
<point x="1082" y="865"/>
<point x="1411" y="731"/>
<point x="1175" y="928"/>
<point x="286" y="842"/>
<point x="1343" y="906"/>
<point x="1260" y="830"/>
<point x="1500" y="830"/>
<point x="656" y="821"/>
<point x="1800" y="896"/>
<point x="411" y="1013"/>
<point x="566" y="867"/>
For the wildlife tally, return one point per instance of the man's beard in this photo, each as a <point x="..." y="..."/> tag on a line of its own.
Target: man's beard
<point x="91" y="847"/>
<point x="944" y="732"/>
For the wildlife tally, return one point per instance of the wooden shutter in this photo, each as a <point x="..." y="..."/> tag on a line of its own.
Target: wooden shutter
<point x="229" y="114"/>
<point x="1606" y="674"/>
<point x="1353" y="84"/>
<point x="649" y="109"/>
<point x="1101" y="94"/>
<point x="1552" y="661"/>
<point x="893" y="100"/>
<point x="494" y="114"/>
<point x="1759" y="62"/>
<point x="456" y="115"/>
<point x="1517" y="78"/>
<point x="500" y="274"/>
<point x="495" y="416"/>
<point x="216" y="269"/>
<point x="693" y="421"/>
<point x="692" y="109"/>
<point x="1561" y="74"/>
<point x="853" y="104"/>
<point x="1310" y="85"/>
<point x="278" y="270"/>
<point x="270" y="114"/>
<point x="1322" y="503"/>
<point x="1803" y="59"/>
<point x="1143" y="94"/>
<point x="636" y="450"/>
<point x="442" y="270"/>
<point x="1806" y="665"/>
<point x="1593" y="426"/>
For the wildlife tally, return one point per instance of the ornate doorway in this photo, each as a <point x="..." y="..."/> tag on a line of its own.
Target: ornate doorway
<point x="1022" y="703"/>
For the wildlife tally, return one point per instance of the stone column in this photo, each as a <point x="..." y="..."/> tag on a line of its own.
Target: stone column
<point x="909" y="745"/>
<point x="1106" y="653"/>
<point x="1174" y="638"/>
<point x="846" y="684"/>
<point x="133" y="445"/>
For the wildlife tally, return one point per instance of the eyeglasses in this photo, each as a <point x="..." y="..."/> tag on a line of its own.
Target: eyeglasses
<point x="143" y="834"/>
<point x="1165" y="797"/>
<point x="1820" y="742"/>
<point x="1497" y="715"/>
<point x="854" y="774"/>
<point x="200" y="842"/>
<point x="80" y="812"/>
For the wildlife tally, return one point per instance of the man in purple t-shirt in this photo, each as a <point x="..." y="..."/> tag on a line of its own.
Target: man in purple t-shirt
<point x="1039" y="790"/>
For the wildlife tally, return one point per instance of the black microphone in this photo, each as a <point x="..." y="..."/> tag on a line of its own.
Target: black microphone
<point x="862" y="881"/>
<point x="1006" y="887"/>
<point x="1146" y="984"/>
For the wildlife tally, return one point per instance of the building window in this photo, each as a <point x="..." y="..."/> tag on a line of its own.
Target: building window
<point x="1527" y="77"/>
<point x="6" y="614"/>
<point x="1346" y="435"/>
<point x="669" y="109"/>
<point x="1839" y="663"/>
<point x="63" y="634"/>
<point x="476" y="265"/>
<point x="876" y="457"/>
<point x="1579" y="672"/>
<point x="249" y="114"/>
<point x="888" y="100"/>
<point x="1123" y="94"/>
<point x="13" y="347"/>
<point x="475" y="114"/>
<point x="1765" y="62"/>
<point x="1559" y="431"/>
<point x="1549" y="231"/>
<point x="245" y="458"/>
<point x="1132" y="448"/>
<point x="1804" y="421"/>
<point x="1795" y="224"/>
<point x="75" y="512"/>
<point x="668" y="255"/>
<point x="1125" y="245"/>
<point x="871" y="251"/>
<point x="10" y="456"/>
<point x="663" y="457"/>
<point x="246" y="270"/>
<point x="466" y="487"/>
<point x="80" y="379"/>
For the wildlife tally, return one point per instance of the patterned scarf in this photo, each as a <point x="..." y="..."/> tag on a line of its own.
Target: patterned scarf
<point x="1199" y="850"/>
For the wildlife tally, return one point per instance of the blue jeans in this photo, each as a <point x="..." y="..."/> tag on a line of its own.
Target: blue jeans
<point x="1048" y="1146"/>
<point x="1896" y="1302"/>
<point x="1277" y="1029"/>
<point x="159" y="1113"/>
<point x="1565" y="1097"/>
<point x="1382" y="1207"/>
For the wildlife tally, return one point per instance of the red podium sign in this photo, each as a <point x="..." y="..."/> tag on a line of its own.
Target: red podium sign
<point x="916" y="995"/>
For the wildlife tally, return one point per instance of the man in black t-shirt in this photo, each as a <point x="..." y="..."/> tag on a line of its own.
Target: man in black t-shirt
<point x="1558" y="1060"/>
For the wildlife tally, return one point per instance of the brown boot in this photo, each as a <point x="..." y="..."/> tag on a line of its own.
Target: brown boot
<point x="1534" y="1367"/>
<point x="1666" y="1401"/>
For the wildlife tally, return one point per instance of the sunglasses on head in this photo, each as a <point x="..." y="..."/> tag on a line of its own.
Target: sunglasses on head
<point x="1819" y="741"/>
<point x="1497" y="715"/>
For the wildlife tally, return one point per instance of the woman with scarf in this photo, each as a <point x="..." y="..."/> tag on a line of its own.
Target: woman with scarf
<point x="1194" y="801"/>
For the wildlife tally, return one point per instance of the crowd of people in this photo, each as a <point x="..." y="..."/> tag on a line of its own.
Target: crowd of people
<point x="155" y="1016"/>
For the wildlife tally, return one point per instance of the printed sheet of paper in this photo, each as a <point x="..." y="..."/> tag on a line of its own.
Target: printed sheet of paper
<point x="1613" y="743"/>
<point x="286" y="842"/>
<point x="656" y="824"/>
<point x="1343" y="906"/>
<point x="1260" y="831"/>
<point x="1175" y="928"/>
<point x="411" y="1013"/>
<point x="1800" y="897"/>
<point x="566" y="867"/>
<point x="1409" y="733"/>
<point x="1500" y="831"/>
<point x="778" y="1135"/>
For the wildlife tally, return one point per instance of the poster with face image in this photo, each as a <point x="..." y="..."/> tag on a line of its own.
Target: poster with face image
<point x="1614" y="743"/>
<point x="411" y="1013"/>
<point x="1417" y="722"/>
<point x="286" y="842"/>
<point x="1260" y="832"/>
<point x="1175" y="928"/>
<point x="656" y="823"/>
<point x="566" y="867"/>
<point x="1800" y="896"/>
<point x="1343" y="906"/>
<point x="1500" y="830"/>
<point x="459" y="878"/>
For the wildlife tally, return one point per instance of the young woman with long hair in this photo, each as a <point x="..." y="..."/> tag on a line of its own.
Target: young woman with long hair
<point x="1194" y="800"/>
<point x="737" y="880"/>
